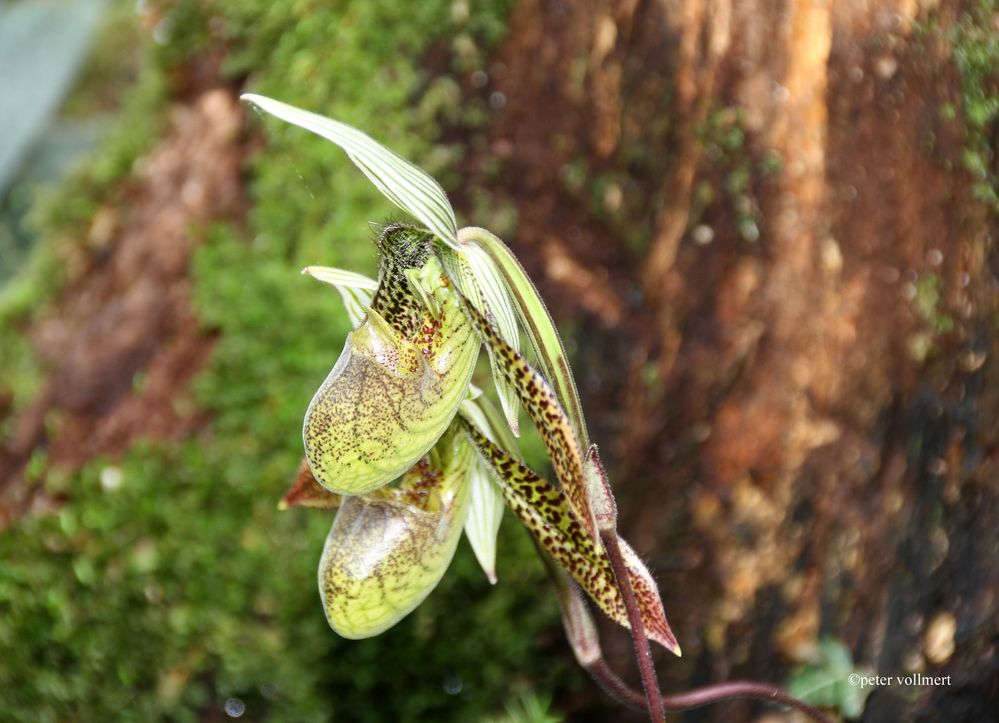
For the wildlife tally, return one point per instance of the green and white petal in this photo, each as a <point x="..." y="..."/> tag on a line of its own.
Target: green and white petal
<point x="485" y="513"/>
<point x="355" y="289"/>
<point x="478" y="280"/>
<point x="407" y="186"/>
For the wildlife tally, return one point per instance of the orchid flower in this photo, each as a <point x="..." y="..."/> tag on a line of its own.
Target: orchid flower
<point x="399" y="405"/>
<point x="409" y="452"/>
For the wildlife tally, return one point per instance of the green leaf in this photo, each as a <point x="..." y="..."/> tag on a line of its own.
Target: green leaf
<point x="529" y="707"/>
<point x="826" y="682"/>
<point x="406" y="185"/>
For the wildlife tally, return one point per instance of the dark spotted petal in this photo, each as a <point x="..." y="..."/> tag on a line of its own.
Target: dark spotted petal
<point x="545" y="411"/>
<point x="546" y="513"/>
<point x="400" y="378"/>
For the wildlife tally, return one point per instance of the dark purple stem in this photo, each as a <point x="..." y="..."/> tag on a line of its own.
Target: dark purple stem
<point x="653" y="698"/>
<point x="618" y="689"/>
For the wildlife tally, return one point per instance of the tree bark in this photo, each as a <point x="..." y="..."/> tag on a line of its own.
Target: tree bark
<point x="794" y="375"/>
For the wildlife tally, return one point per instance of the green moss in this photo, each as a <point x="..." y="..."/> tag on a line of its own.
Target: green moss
<point x="975" y="45"/>
<point x="929" y="303"/>
<point x="168" y="582"/>
<point x="172" y="583"/>
<point x="723" y="137"/>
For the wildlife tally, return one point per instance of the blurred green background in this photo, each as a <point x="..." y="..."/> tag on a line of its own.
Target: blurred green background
<point x="163" y="582"/>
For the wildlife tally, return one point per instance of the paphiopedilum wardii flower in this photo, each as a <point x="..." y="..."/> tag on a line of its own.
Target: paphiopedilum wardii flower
<point x="410" y="452"/>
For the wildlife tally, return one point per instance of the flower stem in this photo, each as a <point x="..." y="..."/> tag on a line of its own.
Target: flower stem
<point x="650" y="684"/>
<point x="699" y="697"/>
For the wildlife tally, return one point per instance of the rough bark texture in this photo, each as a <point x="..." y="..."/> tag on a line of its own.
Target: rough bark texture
<point x="815" y="470"/>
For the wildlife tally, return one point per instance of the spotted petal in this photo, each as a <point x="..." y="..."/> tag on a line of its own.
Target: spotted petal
<point x="545" y="511"/>
<point x="400" y="378"/>
<point x="543" y="407"/>
<point x="533" y="316"/>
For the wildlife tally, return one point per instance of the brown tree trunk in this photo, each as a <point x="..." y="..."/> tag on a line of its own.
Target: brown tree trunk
<point x="792" y="376"/>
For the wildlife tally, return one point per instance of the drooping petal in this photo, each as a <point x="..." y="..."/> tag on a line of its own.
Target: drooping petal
<point x="543" y="407"/>
<point x="486" y="510"/>
<point x="407" y="186"/>
<point x="388" y="550"/>
<point x="485" y="514"/>
<point x="400" y="378"/>
<point x="545" y="511"/>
